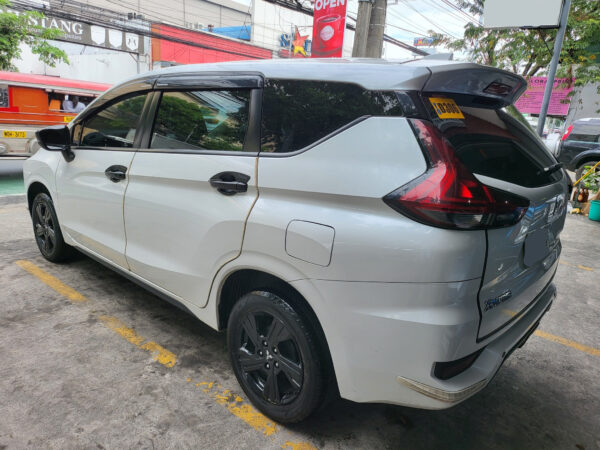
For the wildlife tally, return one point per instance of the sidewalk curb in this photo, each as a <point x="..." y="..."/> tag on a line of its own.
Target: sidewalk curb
<point x="11" y="199"/>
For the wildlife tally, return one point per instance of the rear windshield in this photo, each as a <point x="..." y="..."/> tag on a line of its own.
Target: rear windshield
<point x="499" y="144"/>
<point x="585" y="131"/>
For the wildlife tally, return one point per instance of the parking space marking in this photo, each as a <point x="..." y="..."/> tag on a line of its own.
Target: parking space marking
<point x="161" y="354"/>
<point x="234" y="403"/>
<point x="559" y="339"/>
<point x="53" y="282"/>
<point x="578" y="266"/>
<point x="567" y="342"/>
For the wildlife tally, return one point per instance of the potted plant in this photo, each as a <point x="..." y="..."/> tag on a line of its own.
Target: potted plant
<point x="592" y="183"/>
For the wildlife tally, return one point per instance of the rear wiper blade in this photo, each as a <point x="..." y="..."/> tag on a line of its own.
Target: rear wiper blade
<point x="550" y="169"/>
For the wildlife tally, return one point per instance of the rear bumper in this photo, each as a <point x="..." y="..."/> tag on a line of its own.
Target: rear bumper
<point x="385" y="338"/>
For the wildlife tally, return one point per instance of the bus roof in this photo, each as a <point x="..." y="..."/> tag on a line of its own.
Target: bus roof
<point x="48" y="82"/>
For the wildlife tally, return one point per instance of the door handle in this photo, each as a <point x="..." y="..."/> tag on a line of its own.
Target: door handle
<point x="230" y="183"/>
<point x="116" y="173"/>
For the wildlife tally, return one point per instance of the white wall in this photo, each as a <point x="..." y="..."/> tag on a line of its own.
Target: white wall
<point x="85" y="63"/>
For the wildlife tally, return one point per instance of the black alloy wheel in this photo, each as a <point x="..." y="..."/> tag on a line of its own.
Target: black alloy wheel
<point x="47" y="232"/>
<point x="275" y="357"/>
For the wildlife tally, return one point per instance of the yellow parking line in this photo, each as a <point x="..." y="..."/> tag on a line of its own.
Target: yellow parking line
<point x="579" y="266"/>
<point x="567" y="342"/>
<point x="51" y="281"/>
<point x="234" y="403"/>
<point x="161" y="354"/>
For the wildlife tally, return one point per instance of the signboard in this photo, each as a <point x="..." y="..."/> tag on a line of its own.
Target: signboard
<point x="531" y="101"/>
<point x="92" y="35"/>
<point x="522" y="13"/>
<point x="294" y="46"/>
<point x="329" y="24"/>
<point x="423" y="42"/>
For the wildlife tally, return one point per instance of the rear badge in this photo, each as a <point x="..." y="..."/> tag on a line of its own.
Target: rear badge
<point x="493" y="302"/>
<point x="446" y="108"/>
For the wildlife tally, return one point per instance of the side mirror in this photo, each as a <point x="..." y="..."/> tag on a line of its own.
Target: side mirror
<point x="56" y="139"/>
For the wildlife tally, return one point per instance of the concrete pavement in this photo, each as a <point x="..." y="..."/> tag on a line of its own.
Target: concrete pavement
<point x="116" y="367"/>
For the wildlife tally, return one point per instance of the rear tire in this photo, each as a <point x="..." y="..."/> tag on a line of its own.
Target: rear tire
<point x="46" y="229"/>
<point x="581" y="169"/>
<point x="275" y="357"/>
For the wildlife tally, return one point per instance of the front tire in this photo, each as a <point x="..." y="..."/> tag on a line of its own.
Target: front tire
<point x="46" y="230"/>
<point x="275" y="357"/>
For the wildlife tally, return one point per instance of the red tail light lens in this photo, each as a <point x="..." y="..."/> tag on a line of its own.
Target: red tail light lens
<point x="566" y="135"/>
<point x="447" y="195"/>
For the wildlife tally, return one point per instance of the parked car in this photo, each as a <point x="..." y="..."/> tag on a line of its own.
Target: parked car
<point x="389" y="229"/>
<point x="580" y="145"/>
<point x="31" y="102"/>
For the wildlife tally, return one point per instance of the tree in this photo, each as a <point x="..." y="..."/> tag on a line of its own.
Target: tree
<point x="528" y="52"/>
<point x="21" y="28"/>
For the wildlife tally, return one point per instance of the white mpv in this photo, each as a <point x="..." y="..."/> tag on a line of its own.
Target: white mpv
<point x="389" y="229"/>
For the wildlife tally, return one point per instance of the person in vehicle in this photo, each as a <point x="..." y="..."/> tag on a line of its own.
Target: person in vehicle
<point x="73" y="105"/>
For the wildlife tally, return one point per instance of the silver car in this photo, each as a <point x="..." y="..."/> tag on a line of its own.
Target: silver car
<point x="391" y="229"/>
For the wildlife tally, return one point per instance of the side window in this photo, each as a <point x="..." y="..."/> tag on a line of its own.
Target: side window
<point x="202" y="120"/>
<point x="4" y="99"/>
<point x="298" y="113"/>
<point x="76" y="134"/>
<point x="114" y="126"/>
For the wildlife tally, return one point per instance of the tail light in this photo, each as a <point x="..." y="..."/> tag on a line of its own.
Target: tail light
<point x="447" y="195"/>
<point x="566" y="135"/>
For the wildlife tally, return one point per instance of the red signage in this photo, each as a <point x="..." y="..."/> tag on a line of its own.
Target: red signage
<point x="328" y="28"/>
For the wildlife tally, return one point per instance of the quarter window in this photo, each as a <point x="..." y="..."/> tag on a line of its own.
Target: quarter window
<point x="114" y="126"/>
<point x="298" y="113"/>
<point x="202" y="120"/>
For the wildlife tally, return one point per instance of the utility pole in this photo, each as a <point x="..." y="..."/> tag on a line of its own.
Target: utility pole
<point x="361" y="34"/>
<point x="376" y="29"/>
<point x="560" y="35"/>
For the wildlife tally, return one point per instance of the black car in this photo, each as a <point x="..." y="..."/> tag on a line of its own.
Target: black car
<point x="580" y="145"/>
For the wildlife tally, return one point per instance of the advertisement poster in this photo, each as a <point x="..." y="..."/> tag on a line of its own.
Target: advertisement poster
<point x="531" y="101"/>
<point x="328" y="28"/>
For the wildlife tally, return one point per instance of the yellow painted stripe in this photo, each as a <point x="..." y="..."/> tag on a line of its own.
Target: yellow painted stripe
<point x="299" y="446"/>
<point x="579" y="266"/>
<point x="160" y="354"/>
<point x="51" y="281"/>
<point x="567" y="342"/>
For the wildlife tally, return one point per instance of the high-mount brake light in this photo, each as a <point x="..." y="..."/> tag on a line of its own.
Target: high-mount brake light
<point x="568" y="132"/>
<point x="447" y="195"/>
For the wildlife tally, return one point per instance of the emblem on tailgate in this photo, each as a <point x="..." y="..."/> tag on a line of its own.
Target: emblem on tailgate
<point x="493" y="302"/>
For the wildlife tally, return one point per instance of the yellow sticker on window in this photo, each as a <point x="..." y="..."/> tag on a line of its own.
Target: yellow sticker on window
<point x="68" y="118"/>
<point x="446" y="108"/>
<point x="14" y="134"/>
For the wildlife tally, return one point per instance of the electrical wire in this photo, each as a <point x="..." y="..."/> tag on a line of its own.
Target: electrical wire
<point x="406" y="3"/>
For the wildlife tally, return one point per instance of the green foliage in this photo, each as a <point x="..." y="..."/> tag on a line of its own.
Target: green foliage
<point x="592" y="181"/>
<point x="529" y="52"/>
<point x="18" y="28"/>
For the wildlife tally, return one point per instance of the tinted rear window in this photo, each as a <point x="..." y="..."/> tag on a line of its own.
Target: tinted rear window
<point x="297" y="113"/>
<point x="585" y="131"/>
<point x="496" y="144"/>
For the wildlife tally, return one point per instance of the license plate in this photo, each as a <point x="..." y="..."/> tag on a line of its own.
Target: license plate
<point x="68" y="118"/>
<point x="446" y="108"/>
<point x="14" y="134"/>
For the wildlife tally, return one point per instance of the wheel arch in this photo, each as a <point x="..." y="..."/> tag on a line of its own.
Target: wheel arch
<point x="244" y="280"/>
<point x="585" y="157"/>
<point x="34" y="189"/>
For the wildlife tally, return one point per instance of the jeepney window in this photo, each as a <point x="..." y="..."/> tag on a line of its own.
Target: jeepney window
<point x="4" y="101"/>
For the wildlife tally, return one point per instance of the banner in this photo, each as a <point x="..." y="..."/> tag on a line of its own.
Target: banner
<point x="531" y="101"/>
<point x="329" y="24"/>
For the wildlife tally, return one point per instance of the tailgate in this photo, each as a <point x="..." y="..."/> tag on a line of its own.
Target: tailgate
<point x="521" y="260"/>
<point x="500" y="149"/>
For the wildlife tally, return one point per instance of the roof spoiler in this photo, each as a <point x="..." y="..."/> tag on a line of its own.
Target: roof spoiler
<point x="475" y="85"/>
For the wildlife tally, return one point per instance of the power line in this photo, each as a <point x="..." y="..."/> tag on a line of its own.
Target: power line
<point x="405" y="2"/>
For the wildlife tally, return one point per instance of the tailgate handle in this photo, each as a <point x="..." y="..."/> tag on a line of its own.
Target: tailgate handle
<point x="230" y="183"/>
